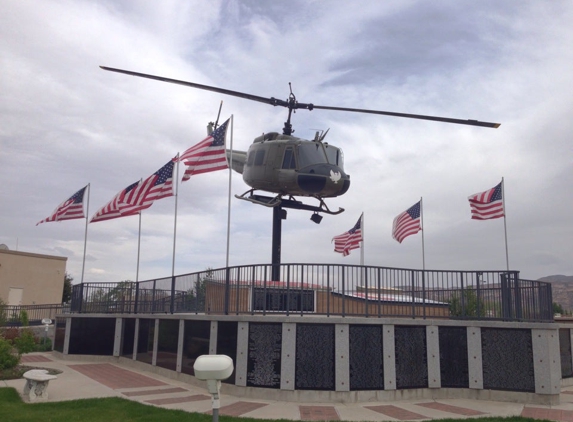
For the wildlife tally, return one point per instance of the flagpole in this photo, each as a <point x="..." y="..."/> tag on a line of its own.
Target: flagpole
<point x="229" y="198"/>
<point x="175" y="217"/>
<point x="86" y="234"/>
<point x="423" y="250"/>
<point x="504" y="223"/>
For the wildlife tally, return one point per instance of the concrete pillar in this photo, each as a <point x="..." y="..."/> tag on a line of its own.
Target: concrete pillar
<point x="135" y="339"/>
<point x="388" y="344"/>
<point x="155" y="342"/>
<point x="433" y="356"/>
<point x="67" y="336"/>
<point x="180" y="343"/>
<point x="288" y="356"/>
<point x="213" y="338"/>
<point x="118" y="336"/>
<point x="242" y="354"/>
<point x="342" y="357"/>
<point x="546" y="361"/>
<point x="475" y="363"/>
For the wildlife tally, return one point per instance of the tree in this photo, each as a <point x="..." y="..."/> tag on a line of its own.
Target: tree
<point x="558" y="309"/>
<point x="195" y="297"/>
<point x="67" y="293"/>
<point x="471" y="306"/>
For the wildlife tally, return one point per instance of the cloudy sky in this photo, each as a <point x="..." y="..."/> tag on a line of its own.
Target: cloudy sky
<point x="65" y="123"/>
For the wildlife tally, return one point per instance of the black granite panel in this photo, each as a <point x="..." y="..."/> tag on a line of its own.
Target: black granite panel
<point x="227" y="344"/>
<point x="195" y="343"/>
<point x="507" y="357"/>
<point x="411" y="358"/>
<point x="565" y="350"/>
<point x="60" y="335"/>
<point x="167" y="341"/>
<point x="366" y="357"/>
<point x="314" y="362"/>
<point x="264" y="355"/>
<point x="92" y="336"/>
<point x="128" y="336"/>
<point x="145" y="337"/>
<point x="454" y="370"/>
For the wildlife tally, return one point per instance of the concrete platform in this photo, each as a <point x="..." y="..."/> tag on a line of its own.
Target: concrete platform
<point x="90" y="379"/>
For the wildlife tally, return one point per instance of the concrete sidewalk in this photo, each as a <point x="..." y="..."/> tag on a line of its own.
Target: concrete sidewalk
<point x="80" y="379"/>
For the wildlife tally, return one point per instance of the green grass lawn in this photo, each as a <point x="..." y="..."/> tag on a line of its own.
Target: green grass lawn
<point x="13" y="409"/>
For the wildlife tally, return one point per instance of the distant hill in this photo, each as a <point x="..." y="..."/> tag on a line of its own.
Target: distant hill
<point x="562" y="287"/>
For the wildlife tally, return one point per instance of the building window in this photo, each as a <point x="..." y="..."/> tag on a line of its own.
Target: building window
<point x="282" y="299"/>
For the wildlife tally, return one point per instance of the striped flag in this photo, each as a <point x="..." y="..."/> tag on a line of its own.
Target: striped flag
<point x="487" y="205"/>
<point x="113" y="208"/>
<point x="349" y="240"/>
<point x="70" y="209"/>
<point x="208" y="155"/>
<point x="157" y="186"/>
<point x="407" y="223"/>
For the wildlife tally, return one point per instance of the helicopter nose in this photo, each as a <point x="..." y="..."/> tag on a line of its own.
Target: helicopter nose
<point x="323" y="179"/>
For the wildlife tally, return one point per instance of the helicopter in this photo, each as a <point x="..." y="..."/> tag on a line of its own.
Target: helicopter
<point x="288" y="166"/>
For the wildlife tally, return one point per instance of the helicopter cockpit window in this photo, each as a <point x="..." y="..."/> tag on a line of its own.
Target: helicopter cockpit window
<point x="260" y="157"/>
<point x="251" y="158"/>
<point x="335" y="156"/>
<point x="288" y="160"/>
<point x="311" y="153"/>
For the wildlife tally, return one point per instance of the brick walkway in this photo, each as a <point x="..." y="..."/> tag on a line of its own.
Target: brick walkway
<point x="115" y="377"/>
<point x="160" y="393"/>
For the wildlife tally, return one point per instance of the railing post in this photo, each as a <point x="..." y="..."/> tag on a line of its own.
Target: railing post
<point x="517" y="295"/>
<point x="462" y="295"/>
<point x="478" y="292"/>
<point x="343" y="292"/>
<point x="413" y="282"/>
<point x="505" y="297"/>
<point x="153" y="297"/>
<point x="135" y="305"/>
<point x="365" y="278"/>
<point x="328" y="291"/>
<point x="238" y="289"/>
<point x="227" y="290"/>
<point x="424" y="294"/>
<point x="172" y="301"/>
<point x="81" y="298"/>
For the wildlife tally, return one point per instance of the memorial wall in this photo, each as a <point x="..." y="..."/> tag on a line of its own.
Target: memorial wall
<point x="339" y="355"/>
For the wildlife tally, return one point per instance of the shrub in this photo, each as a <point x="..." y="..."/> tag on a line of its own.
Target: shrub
<point x="11" y="333"/>
<point x="26" y="342"/>
<point x="9" y="357"/>
<point x="24" y="320"/>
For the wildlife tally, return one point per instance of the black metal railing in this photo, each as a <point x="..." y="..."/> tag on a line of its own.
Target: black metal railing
<point x="15" y="316"/>
<point x="327" y="289"/>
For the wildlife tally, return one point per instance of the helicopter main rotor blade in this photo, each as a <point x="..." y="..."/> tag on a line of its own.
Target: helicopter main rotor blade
<point x="413" y="116"/>
<point x="292" y="104"/>
<point x="271" y="101"/>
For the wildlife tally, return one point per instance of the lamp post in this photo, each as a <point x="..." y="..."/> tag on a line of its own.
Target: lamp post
<point x="213" y="369"/>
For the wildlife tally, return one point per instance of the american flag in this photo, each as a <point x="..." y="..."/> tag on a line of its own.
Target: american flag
<point x="349" y="240"/>
<point x="113" y="208"/>
<point x="157" y="186"/>
<point x="208" y="155"/>
<point x="71" y="208"/>
<point x="407" y="223"/>
<point x="487" y="205"/>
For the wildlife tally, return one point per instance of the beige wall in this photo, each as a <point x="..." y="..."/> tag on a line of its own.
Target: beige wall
<point x="32" y="278"/>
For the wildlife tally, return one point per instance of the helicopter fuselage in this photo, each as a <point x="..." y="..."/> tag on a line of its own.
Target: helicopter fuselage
<point x="287" y="165"/>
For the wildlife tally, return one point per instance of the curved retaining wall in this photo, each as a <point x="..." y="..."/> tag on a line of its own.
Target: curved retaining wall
<point x="335" y="358"/>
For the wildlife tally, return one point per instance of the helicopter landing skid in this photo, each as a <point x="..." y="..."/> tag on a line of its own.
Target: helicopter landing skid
<point x="291" y="203"/>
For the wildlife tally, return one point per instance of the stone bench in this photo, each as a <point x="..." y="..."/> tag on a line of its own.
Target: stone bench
<point x="36" y="388"/>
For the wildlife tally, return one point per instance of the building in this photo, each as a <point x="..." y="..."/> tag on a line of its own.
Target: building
<point x="30" y="278"/>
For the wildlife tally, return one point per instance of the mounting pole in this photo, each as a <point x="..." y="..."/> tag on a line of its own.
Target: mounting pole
<point x="278" y="215"/>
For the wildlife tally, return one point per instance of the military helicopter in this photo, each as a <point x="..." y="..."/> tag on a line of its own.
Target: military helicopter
<point x="289" y="166"/>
